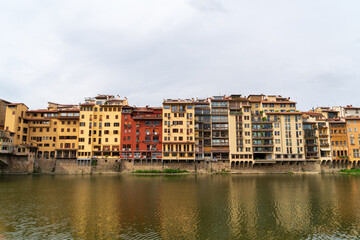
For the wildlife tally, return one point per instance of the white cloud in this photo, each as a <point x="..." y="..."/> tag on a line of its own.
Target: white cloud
<point x="149" y="50"/>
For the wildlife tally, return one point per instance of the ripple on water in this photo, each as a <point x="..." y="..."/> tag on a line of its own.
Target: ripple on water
<point x="201" y="207"/>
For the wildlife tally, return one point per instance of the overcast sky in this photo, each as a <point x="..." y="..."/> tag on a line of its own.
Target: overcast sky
<point x="148" y="50"/>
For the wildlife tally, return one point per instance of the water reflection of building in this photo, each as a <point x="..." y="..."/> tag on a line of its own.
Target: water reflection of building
<point x="243" y="205"/>
<point x="261" y="206"/>
<point x="292" y="203"/>
<point x="178" y="209"/>
<point x="95" y="212"/>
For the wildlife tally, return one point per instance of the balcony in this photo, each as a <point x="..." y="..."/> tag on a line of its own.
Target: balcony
<point x="262" y="129"/>
<point x="311" y="144"/>
<point x="264" y="135"/>
<point x="263" y="145"/>
<point x="310" y="136"/>
<point x="262" y="149"/>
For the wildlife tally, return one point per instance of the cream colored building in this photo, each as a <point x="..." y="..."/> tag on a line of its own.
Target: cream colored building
<point x="288" y="136"/>
<point x="270" y="127"/>
<point x="240" y="133"/>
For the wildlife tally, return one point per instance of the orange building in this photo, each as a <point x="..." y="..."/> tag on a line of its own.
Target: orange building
<point x="338" y="139"/>
<point x="353" y="138"/>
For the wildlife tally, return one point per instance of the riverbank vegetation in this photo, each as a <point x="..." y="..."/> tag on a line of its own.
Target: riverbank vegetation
<point x="168" y="170"/>
<point x="350" y="171"/>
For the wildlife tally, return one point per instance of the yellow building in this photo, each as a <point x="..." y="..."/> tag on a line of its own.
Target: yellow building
<point x="3" y="104"/>
<point x="100" y="127"/>
<point x="54" y="131"/>
<point x="178" y="129"/>
<point x="353" y="139"/>
<point x="17" y="125"/>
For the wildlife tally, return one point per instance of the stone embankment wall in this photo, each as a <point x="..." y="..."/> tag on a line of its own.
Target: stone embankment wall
<point x="280" y="167"/>
<point x="191" y="166"/>
<point x="16" y="164"/>
<point x="23" y="164"/>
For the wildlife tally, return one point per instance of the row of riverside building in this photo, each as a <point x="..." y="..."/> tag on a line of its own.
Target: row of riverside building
<point x="236" y="130"/>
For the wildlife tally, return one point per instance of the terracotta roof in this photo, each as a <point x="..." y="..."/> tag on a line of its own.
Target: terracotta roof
<point x="70" y="110"/>
<point x="87" y="104"/>
<point x="326" y="110"/>
<point x="15" y="104"/>
<point x="352" y="118"/>
<point x="7" y="102"/>
<point x="116" y="100"/>
<point x="312" y="113"/>
<point x="102" y="96"/>
<point x="335" y="122"/>
<point x="41" y="110"/>
<point x="277" y="101"/>
<point x="284" y="113"/>
<point x="352" y="107"/>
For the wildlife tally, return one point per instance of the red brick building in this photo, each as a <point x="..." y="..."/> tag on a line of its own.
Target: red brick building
<point x="141" y="134"/>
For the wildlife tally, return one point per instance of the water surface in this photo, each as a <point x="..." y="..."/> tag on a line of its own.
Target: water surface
<point x="180" y="207"/>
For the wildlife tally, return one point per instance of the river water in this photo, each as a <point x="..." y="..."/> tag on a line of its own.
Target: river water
<point x="180" y="207"/>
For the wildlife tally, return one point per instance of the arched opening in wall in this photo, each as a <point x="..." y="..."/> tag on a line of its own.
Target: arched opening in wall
<point x="328" y="163"/>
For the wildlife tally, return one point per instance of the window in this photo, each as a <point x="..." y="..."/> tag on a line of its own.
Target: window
<point x="356" y="153"/>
